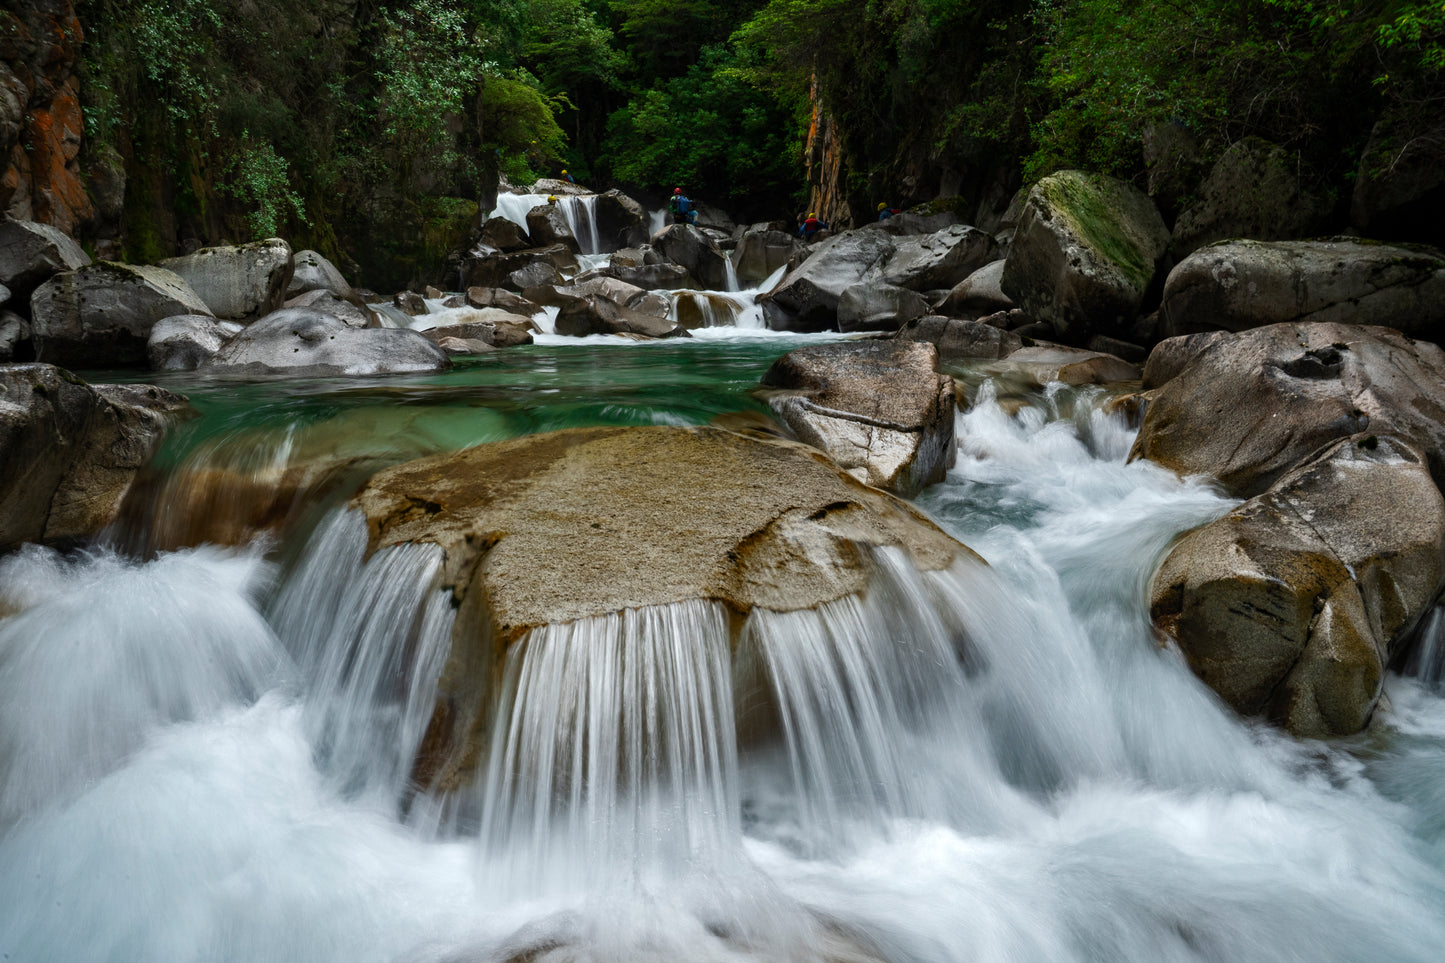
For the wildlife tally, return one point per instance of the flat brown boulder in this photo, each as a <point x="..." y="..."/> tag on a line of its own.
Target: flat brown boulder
<point x="71" y="450"/>
<point x="1291" y="606"/>
<point x="625" y="518"/>
<point x="1249" y="406"/>
<point x="877" y="408"/>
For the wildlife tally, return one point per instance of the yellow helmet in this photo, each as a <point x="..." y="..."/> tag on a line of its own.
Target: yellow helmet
<point x="564" y="170"/>
<point x="811" y="214"/>
<point x="881" y="204"/>
<point x="551" y="198"/>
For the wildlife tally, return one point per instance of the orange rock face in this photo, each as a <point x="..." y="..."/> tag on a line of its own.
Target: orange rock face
<point x="40" y="143"/>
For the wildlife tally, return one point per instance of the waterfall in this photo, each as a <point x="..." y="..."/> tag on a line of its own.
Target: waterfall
<point x="206" y="753"/>
<point x="732" y="275"/>
<point x="578" y="210"/>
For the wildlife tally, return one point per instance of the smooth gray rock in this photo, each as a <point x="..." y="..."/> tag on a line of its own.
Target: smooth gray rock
<point x="410" y="303"/>
<point x="314" y="272"/>
<point x="806" y="299"/>
<point x="14" y="335"/>
<point x="1253" y="191"/>
<point x="31" y="253"/>
<point x="689" y="247"/>
<point x="1173" y="355"/>
<point x="1044" y="364"/>
<point x="1085" y="252"/>
<point x="101" y="316"/>
<point x="500" y="234"/>
<point x="874" y="306"/>
<point x="71" y="450"/>
<point x="348" y="310"/>
<point x="652" y="277"/>
<point x="238" y="283"/>
<point x="484" y="297"/>
<point x="978" y="294"/>
<point x="621" y="221"/>
<point x="304" y="341"/>
<point x="911" y="222"/>
<point x="546" y="225"/>
<point x="1250" y="406"/>
<point x="877" y="408"/>
<point x="924" y="262"/>
<point x="1292" y="605"/>
<point x="597" y="314"/>
<point x="760" y="253"/>
<point x="186" y="341"/>
<point x="520" y="269"/>
<point x="959" y="340"/>
<point x="1236" y="285"/>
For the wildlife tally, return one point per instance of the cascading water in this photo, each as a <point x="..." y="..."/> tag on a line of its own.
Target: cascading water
<point x="206" y="757"/>
<point x="579" y="211"/>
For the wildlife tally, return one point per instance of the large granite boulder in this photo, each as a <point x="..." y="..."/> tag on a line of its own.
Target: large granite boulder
<point x="652" y="277"/>
<point x="187" y="341"/>
<point x="1043" y="364"/>
<point x="1084" y="254"/>
<point x="1172" y="355"/>
<point x="546" y="225"/>
<point x="71" y="450"/>
<point x="501" y="234"/>
<point x="1400" y="181"/>
<point x="1236" y="285"/>
<point x="931" y="262"/>
<point x="877" y="408"/>
<point x="238" y="283"/>
<point x="31" y="253"/>
<point x="875" y="306"/>
<point x="1253" y="191"/>
<point x="760" y="253"/>
<point x="484" y="297"/>
<point x="806" y="299"/>
<point x="621" y="221"/>
<point x="918" y="221"/>
<point x="624" y="520"/>
<point x="958" y="341"/>
<point x="1292" y="605"/>
<point x="350" y="310"/>
<point x="689" y="247"/>
<point x="302" y="341"/>
<point x="313" y="272"/>
<point x="101" y="315"/>
<point x="598" y="314"/>
<point x="979" y="294"/>
<point x="1247" y="407"/>
<point x="520" y="269"/>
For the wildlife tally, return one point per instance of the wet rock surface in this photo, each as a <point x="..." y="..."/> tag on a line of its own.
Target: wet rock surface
<point x="71" y="450"/>
<point x="877" y="408"/>
<point x="625" y="518"/>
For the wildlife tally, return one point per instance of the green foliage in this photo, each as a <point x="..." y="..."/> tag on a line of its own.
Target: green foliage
<point x="709" y="129"/>
<point x="429" y="65"/>
<point x="259" y="176"/>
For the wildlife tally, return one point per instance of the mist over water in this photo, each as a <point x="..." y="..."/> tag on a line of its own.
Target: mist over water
<point x="206" y="753"/>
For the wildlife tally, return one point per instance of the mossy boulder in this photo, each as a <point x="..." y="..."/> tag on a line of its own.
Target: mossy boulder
<point x="1084" y="254"/>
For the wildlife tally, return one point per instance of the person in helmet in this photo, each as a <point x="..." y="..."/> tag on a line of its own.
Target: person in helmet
<point x="884" y="211"/>
<point x="568" y="177"/>
<point x="682" y="208"/>
<point x="811" y="226"/>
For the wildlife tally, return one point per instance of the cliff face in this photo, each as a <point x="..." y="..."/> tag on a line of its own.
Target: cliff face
<point x="40" y="119"/>
<point x="827" y="185"/>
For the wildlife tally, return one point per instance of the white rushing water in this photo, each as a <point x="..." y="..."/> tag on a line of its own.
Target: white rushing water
<point x="205" y="759"/>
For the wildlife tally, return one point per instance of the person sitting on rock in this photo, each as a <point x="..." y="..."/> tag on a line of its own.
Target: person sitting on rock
<point x="884" y="211"/>
<point x="567" y="177"/>
<point x="682" y="208"/>
<point x="811" y="226"/>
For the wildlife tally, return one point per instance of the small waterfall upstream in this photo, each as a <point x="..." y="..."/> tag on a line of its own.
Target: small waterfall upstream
<point x="208" y="755"/>
<point x="578" y="210"/>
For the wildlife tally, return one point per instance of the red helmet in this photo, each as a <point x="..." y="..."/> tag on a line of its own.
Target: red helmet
<point x="677" y="190"/>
